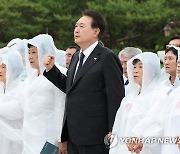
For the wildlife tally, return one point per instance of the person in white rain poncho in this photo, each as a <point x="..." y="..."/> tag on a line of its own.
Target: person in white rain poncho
<point x="171" y="123"/>
<point x="125" y="55"/>
<point x="170" y="65"/>
<point x="11" y="114"/>
<point x="20" y="46"/>
<point x="44" y="103"/>
<point x="171" y="119"/>
<point x="145" y="93"/>
<point x="61" y="57"/>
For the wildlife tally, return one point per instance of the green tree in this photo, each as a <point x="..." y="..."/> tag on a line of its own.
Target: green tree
<point x="135" y="23"/>
<point x="22" y="19"/>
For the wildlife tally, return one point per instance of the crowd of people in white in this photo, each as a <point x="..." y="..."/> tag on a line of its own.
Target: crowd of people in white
<point x="32" y="108"/>
<point x="151" y="106"/>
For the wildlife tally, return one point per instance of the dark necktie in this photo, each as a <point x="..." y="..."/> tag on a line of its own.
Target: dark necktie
<point x="80" y="64"/>
<point x="126" y="83"/>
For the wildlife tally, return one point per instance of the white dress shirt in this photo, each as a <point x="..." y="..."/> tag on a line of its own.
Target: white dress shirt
<point x="86" y="53"/>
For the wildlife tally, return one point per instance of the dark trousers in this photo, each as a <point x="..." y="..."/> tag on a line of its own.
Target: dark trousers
<point x="86" y="149"/>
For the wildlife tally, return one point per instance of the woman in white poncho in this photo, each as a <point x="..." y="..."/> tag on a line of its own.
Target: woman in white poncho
<point x="44" y="103"/>
<point x="145" y="92"/>
<point x="11" y="113"/>
<point x="19" y="45"/>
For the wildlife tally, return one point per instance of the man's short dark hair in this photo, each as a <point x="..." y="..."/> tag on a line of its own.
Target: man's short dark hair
<point x="73" y="47"/>
<point x="177" y="37"/>
<point x="98" y="20"/>
<point x="174" y="51"/>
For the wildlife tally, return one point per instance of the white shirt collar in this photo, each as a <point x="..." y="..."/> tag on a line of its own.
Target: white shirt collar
<point x="124" y="78"/>
<point x="88" y="51"/>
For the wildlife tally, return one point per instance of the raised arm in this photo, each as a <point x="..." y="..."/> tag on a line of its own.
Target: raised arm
<point x="53" y="74"/>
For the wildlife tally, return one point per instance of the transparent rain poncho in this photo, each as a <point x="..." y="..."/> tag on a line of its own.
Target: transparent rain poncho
<point x="43" y="102"/>
<point x="170" y="121"/>
<point x="21" y="47"/>
<point x="137" y="105"/>
<point x="171" y="116"/>
<point x="4" y="50"/>
<point x="11" y="113"/>
<point x="61" y="57"/>
<point x="17" y="44"/>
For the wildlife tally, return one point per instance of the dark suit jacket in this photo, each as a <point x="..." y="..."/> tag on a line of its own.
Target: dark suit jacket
<point x="93" y="98"/>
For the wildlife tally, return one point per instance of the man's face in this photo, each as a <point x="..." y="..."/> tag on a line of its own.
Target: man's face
<point x="84" y="34"/>
<point x="3" y="73"/>
<point x="170" y="63"/>
<point x="33" y="57"/>
<point x="178" y="70"/>
<point x="69" y="54"/>
<point x="175" y="42"/>
<point x="138" y="73"/>
<point x="124" y="61"/>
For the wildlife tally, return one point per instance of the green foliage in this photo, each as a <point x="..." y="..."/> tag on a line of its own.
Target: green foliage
<point x="21" y="19"/>
<point x="145" y="19"/>
<point x="136" y="23"/>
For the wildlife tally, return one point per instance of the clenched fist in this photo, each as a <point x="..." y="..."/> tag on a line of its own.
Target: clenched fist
<point x="49" y="61"/>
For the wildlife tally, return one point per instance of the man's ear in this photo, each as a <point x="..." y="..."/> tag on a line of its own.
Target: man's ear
<point x="96" y="32"/>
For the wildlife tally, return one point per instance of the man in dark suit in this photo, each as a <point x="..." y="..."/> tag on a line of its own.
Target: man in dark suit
<point x="94" y="87"/>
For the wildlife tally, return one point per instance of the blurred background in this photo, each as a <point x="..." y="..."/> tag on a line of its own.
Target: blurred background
<point x="146" y="24"/>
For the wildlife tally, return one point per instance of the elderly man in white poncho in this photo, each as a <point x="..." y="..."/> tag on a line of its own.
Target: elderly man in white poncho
<point x="145" y="94"/>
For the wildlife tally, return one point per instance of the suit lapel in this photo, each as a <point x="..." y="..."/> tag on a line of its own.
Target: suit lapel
<point x="72" y="70"/>
<point x="91" y="60"/>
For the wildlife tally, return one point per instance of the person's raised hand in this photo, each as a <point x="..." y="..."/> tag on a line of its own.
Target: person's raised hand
<point x="49" y="61"/>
